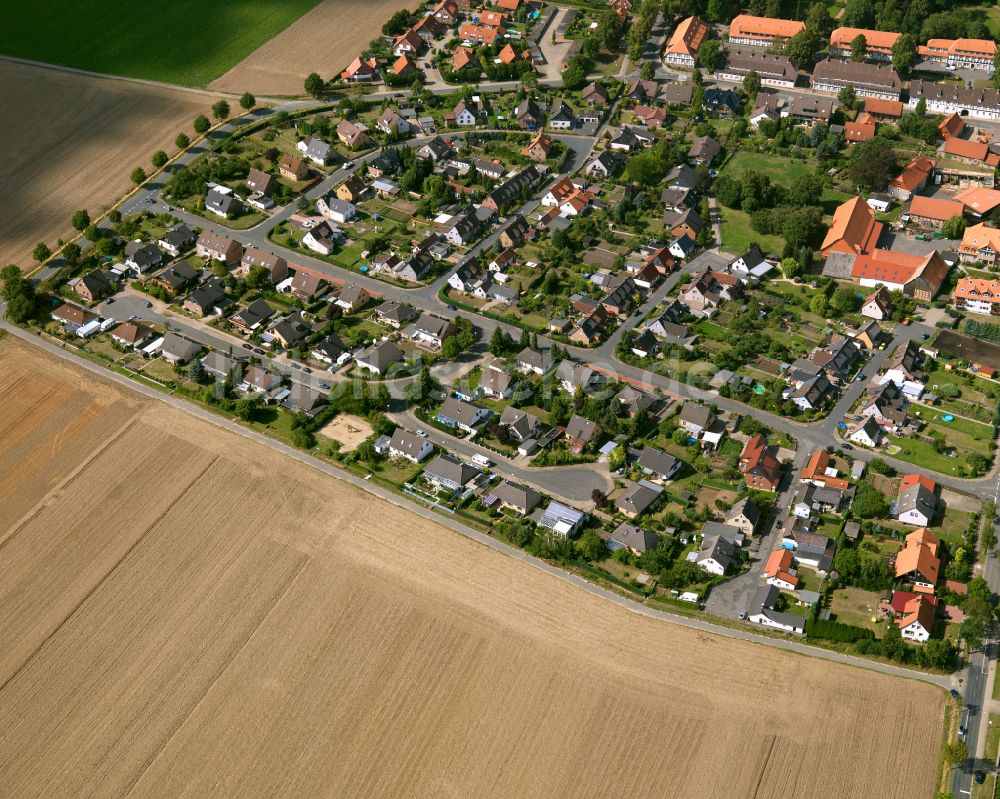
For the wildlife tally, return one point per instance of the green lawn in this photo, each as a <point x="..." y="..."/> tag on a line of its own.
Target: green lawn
<point x="183" y="41"/>
<point x="922" y="453"/>
<point x="981" y="432"/>
<point x="781" y="169"/>
<point x="737" y="235"/>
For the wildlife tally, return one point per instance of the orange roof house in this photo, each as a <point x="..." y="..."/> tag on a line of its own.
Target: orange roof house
<point x="911" y="480"/>
<point x="815" y="471"/>
<point x="919" y="276"/>
<point x="978" y="294"/>
<point x="685" y="41"/>
<point x="913" y="178"/>
<point x="917" y="621"/>
<point x="918" y="560"/>
<point x="462" y="58"/>
<point x="762" y="31"/>
<point x="879" y="42"/>
<point x="759" y="464"/>
<point x="934" y="210"/>
<point x="361" y="70"/>
<point x="979" y="201"/>
<point x="854" y="229"/>
<point x="951" y="125"/>
<point x="779" y="568"/>
<point x="509" y="55"/>
<point x="492" y="19"/>
<point x="538" y="148"/>
<point x="862" y="129"/>
<point x="962" y="52"/>
<point x="980" y="243"/>
<point x="479" y="34"/>
<point x="404" y="66"/>
<point x="966" y="150"/>
<point x="509" y="5"/>
<point x="884" y="109"/>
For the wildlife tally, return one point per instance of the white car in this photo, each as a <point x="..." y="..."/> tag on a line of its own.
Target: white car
<point x="422" y="433"/>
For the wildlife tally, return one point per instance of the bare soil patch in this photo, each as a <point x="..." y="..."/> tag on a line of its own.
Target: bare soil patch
<point x="72" y="143"/>
<point x="973" y="349"/>
<point x="214" y="618"/>
<point x="324" y="40"/>
<point x="348" y="429"/>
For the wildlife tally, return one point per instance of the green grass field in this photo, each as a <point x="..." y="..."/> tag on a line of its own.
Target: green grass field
<point x="182" y="41"/>
<point x="780" y="169"/>
<point x="737" y="234"/>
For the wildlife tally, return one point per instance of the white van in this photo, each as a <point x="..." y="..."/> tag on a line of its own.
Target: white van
<point x="482" y="461"/>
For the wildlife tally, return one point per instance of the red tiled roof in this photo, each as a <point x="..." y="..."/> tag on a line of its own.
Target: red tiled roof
<point x="854" y="229"/>
<point x="935" y="208"/>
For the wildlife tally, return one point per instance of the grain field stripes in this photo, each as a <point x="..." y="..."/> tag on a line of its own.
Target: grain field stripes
<point x="192" y="614"/>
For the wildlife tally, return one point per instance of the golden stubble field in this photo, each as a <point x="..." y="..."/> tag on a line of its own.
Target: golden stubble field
<point x="191" y="614"/>
<point x="71" y="141"/>
<point x="324" y="40"/>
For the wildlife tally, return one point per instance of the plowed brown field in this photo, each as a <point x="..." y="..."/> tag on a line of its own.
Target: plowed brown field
<point x="192" y="614"/>
<point x="71" y="141"/>
<point x="324" y="40"/>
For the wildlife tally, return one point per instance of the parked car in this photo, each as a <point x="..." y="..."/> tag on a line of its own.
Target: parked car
<point x="323" y="385"/>
<point x="422" y="433"/>
<point x="147" y="303"/>
<point x="980" y="777"/>
<point x="743" y="615"/>
<point x="307" y="370"/>
<point x="296" y="366"/>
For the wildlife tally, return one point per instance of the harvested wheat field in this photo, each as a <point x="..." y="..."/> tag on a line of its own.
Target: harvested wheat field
<point x="192" y="614"/>
<point x="84" y="138"/>
<point x="324" y="40"/>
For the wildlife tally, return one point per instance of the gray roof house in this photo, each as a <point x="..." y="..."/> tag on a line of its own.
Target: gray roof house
<point x="521" y="424"/>
<point x="379" y="357"/>
<point x="637" y="498"/>
<point x="658" y="463"/>
<point x="517" y="496"/>
<point x="178" y="349"/>
<point x="448" y="472"/>
<point x="628" y="536"/>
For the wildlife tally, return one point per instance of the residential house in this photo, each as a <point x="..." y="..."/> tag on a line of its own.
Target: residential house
<point x="329" y="349"/>
<point x="853" y="230"/>
<point x="521" y="425"/>
<point x="809" y="109"/>
<point x="878" y="305"/>
<point x="594" y="94"/>
<point x="561" y="519"/>
<point x="361" y="70"/>
<point x="529" y="361"/>
<point x="919" y="276"/>
<point x="175" y="277"/>
<point x="518" y="497"/>
<point x="719" y="551"/>
<point x="260" y="182"/>
<point x="258" y="380"/>
<point x="131" y="335"/>
<point x="293" y="168"/>
<point x="351" y="134"/>
<point x="682" y="247"/>
<point x="496" y="382"/>
<point x="708" y="290"/>
<point x="658" y="464"/>
<point x="773" y="70"/>
<point x="685" y="41"/>
<point x="430" y="330"/>
<point x="960" y="53"/>
<point x="316" y="150"/>
<point x="949" y="98"/>
<point x="978" y="296"/>
<point x="762" y="31"/>
<point x="410" y="446"/>
<point x="761" y="610"/>
<point x="886" y="405"/>
<point x="637" y="498"/>
<point x="917" y="622"/>
<point x="275" y="265"/>
<point x="94" y="285"/>
<point x="759" y="464"/>
<point x="686" y="222"/>
<point x="253" y="316"/>
<point x="918" y="562"/>
<point x="74" y="318"/>
<point x="867" y="434"/>
<point x="352" y="190"/>
<point x="916" y="503"/>
<point x="466" y="416"/>
<point x="213" y="247"/>
<point x="378" y="358"/>
<point x="581" y="431"/>
<point x="408" y="43"/>
<point x="352" y="298"/>
<point x="448" y="473"/>
<point x="436" y="149"/>
<point x="628" y="536"/>
<point x="222" y="202"/>
<point x="572" y="375"/>
<point x="780" y="570"/>
<point x="861" y="129"/>
<point x="879" y="43"/>
<point x="538" y="148"/>
<point x="745" y="515"/>
<point x="292" y="331"/>
<point x="178" y="350"/>
<point x="141" y="257"/>
<point x="723" y="102"/>
<point x="884" y="110"/>
<point x="528" y="115"/>
<point x="177" y="239"/>
<point x="903" y="370"/>
<point x="912" y="179"/>
<point x="208" y="298"/>
<point x="307" y="285"/>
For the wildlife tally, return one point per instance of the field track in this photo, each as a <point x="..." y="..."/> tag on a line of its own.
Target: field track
<point x="191" y="614"/>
